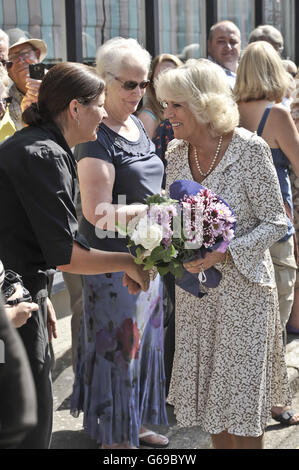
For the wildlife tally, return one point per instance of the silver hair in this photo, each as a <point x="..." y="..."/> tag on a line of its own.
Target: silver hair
<point x="4" y="36"/>
<point x="119" y="52"/>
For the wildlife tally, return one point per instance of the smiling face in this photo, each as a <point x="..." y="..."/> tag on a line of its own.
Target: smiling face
<point x="120" y="100"/>
<point x="182" y="120"/>
<point x="90" y="117"/>
<point x="225" y="46"/>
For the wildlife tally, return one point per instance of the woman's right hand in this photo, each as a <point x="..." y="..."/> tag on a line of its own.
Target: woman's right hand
<point x="19" y="314"/>
<point x="135" y="278"/>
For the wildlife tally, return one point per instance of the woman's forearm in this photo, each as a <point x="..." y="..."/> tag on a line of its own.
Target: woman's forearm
<point x="111" y="216"/>
<point x="91" y="262"/>
<point x="95" y="261"/>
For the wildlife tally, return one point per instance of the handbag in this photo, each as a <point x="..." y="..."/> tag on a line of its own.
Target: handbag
<point x="11" y="281"/>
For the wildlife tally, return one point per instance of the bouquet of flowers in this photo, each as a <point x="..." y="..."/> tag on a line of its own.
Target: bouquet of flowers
<point x="188" y="225"/>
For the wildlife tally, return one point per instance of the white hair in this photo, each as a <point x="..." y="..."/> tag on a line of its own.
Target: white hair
<point x="204" y="87"/>
<point x="120" y="52"/>
<point x="4" y="37"/>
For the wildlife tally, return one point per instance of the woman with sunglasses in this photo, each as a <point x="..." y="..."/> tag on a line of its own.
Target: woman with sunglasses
<point x="119" y="383"/>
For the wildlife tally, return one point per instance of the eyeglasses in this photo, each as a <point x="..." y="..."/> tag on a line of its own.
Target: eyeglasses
<point x="6" y="63"/>
<point x="24" y="54"/>
<point x="130" y="85"/>
<point x="6" y="101"/>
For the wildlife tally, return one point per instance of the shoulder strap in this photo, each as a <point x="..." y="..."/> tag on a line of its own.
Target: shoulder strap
<point x="263" y="120"/>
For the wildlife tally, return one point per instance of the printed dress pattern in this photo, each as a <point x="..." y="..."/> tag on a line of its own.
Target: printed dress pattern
<point x="229" y="367"/>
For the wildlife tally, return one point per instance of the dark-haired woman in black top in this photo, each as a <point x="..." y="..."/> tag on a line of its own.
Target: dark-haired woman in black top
<point x="39" y="228"/>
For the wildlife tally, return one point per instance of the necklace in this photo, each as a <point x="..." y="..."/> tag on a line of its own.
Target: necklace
<point x="213" y="161"/>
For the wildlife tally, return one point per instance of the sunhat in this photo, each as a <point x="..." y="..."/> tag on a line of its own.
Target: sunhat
<point x="36" y="43"/>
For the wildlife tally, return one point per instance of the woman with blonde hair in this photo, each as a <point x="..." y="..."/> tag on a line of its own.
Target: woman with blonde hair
<point x="260" y="87"/>
<point x="229" y="364"/>
<point x="152" y="113"/>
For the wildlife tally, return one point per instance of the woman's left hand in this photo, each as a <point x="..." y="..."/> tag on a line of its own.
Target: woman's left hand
<point x="51" y="321"/>
<point x="135" y="278"/>
<point x="133" y="287"/>
<point x="202" y="264"/>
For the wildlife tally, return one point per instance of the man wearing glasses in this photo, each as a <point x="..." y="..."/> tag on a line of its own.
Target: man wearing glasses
<point x="22" y="53"/>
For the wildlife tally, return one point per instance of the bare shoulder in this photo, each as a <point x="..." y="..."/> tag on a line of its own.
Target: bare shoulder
<point x="279" y="111"/>
<point x="280" y="121"/>
<point x="146" y="113"/>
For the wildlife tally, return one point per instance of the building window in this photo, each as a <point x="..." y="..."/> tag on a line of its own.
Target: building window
<point x="105" y="19"/>
<point x="240" y="13"/>
<point x="42" y="19"/>
<point x="182" y="28"/>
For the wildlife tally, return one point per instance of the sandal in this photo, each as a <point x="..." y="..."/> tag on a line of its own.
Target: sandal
<point x="285" y="418"/>
<point x="155" y="445"/>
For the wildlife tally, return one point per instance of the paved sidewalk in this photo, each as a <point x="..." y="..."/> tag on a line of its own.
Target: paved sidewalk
<point x="68" y="432"/>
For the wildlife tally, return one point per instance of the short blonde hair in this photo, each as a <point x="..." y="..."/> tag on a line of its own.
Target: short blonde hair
<point x="261" y="74"/>
<point x="203" y="85"/>
<point x="117" y="53"/>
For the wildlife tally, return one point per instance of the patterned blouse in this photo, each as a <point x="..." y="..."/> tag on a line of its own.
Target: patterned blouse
<point x="244" y="177"/>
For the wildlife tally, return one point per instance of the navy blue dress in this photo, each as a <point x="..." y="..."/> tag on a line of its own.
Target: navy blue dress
<point x="119" y="376"/>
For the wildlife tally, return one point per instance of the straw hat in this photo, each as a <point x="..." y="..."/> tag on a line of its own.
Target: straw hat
<point x="36" y="43"/>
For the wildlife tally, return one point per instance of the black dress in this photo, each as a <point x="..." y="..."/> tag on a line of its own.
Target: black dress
<point x="37" y="232"/>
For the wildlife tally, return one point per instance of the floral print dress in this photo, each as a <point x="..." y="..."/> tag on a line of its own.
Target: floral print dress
<point x="119" y="375"/>
<point x="229" y="367"/>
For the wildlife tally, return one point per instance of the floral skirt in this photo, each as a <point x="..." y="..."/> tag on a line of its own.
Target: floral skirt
<point x="119" y="376"/>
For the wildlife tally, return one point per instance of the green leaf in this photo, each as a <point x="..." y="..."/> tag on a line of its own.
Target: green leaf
<point x="158" y="199"/>
<point x="177" y="270"/>
<point x="162" y="270"/>
<point x="158" y="253"/>
<point x="148" y="265"/>
<point x="139" y="251"/>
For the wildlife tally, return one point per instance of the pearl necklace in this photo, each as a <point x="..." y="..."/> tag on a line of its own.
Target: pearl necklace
<point x="213" y="161"/>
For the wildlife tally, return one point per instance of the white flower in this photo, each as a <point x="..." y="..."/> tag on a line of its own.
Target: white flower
<point x="147" y="234"/>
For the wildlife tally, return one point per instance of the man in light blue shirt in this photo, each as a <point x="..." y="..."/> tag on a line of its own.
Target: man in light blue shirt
<point x="224" y="47"/>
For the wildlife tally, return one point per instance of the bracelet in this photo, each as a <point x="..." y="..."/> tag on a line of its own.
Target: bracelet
<point x="226" y="258"/>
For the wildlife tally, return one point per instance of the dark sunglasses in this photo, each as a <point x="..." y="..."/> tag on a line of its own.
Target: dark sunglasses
<point x="6" y="63"/>
<point x="131" y="85"/>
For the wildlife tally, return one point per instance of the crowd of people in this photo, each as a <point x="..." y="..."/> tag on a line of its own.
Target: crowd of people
<point x="119" y="133"/>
